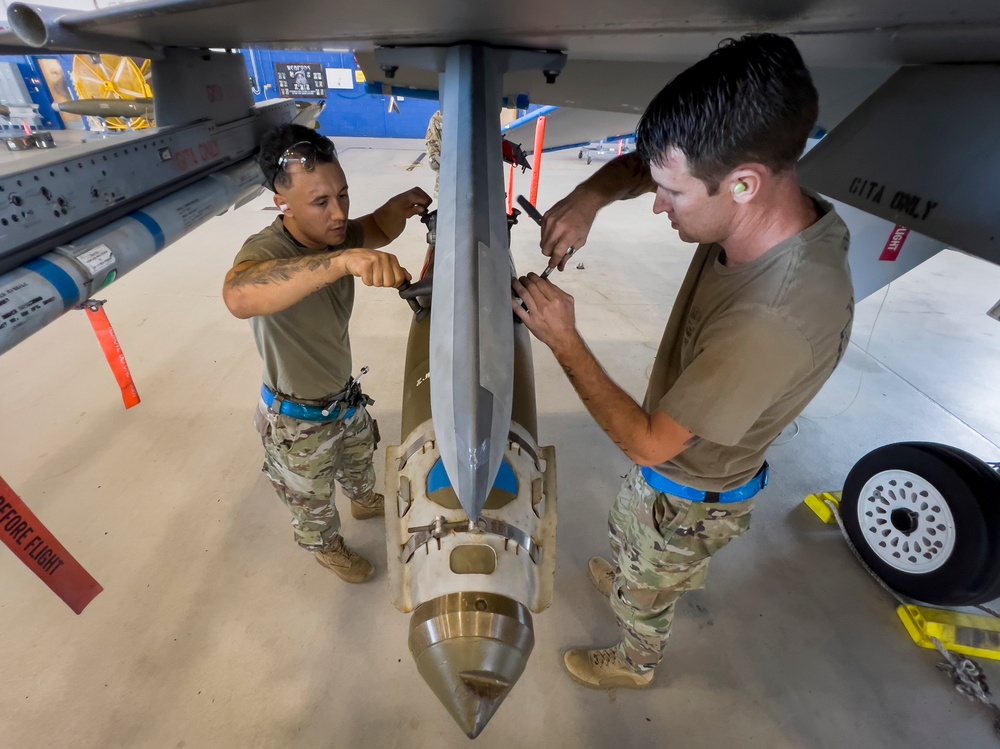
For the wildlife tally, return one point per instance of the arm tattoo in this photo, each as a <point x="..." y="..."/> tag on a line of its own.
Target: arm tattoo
<point x="572" y="379"/>
<point x="586" y="400"/>
<point x="277" y="271"/>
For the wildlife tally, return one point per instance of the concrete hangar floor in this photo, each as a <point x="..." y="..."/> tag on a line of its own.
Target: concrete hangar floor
<point x="215" y="630"/>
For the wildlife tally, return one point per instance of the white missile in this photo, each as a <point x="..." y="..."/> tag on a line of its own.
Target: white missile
<point x="42" y="289"/>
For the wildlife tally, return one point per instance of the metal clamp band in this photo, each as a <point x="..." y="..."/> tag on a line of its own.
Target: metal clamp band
<point x="424" y="534"/>
<point x="414" y="447"/>
<point x="520" y="442"/>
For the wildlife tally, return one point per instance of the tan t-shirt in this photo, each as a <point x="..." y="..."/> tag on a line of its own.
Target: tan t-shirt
<point x="306" y="348"/>
<point x="747" y="347"/>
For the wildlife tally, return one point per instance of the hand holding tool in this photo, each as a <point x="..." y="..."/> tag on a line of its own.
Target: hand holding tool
<point x="537" y="218"/>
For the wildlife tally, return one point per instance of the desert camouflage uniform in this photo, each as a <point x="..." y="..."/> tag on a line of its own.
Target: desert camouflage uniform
<point x="662" y="546"/>
<point x="433" y="145"/>
<point x="304" y="458"/>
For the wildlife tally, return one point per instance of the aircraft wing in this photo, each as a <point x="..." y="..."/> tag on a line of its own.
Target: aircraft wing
<point x="851" y="32"/>
<point x="620" y="54"/>
<point x="920" y="153"/>
<point x="566" y="127"/>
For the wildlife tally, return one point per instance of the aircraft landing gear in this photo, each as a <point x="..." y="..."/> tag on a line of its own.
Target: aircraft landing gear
<point x="926" y="518"/>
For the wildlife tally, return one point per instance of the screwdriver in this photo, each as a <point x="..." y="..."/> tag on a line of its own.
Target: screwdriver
<point x="537" y="218"/>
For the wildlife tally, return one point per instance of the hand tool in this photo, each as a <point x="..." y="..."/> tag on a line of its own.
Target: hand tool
<point x="537" y="218"/>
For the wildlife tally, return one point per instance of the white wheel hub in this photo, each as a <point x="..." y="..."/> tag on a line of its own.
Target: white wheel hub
<point x="906" y="521"/>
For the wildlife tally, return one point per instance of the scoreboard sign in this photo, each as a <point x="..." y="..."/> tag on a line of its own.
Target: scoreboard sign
<point x="300" y="80"/>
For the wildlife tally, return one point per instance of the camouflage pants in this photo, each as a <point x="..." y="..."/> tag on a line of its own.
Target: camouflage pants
<point x="662" y="546"/>
<point x="303" y="459"/>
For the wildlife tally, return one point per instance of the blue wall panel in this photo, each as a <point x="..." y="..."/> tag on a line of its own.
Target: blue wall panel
<point x="349" y="112"/>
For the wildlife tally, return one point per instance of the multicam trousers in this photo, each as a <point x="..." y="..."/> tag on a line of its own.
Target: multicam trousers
<point x="662" y="546"/>
<point x="304" y="458"/>
<point x="432" y="143"/>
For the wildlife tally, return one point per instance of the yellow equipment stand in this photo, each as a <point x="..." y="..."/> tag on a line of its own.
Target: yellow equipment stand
<point x="965" y="634"/>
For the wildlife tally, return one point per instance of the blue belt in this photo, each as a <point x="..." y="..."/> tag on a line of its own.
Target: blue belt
<point x="662" y="484"/>
<point x="301" y="411"/>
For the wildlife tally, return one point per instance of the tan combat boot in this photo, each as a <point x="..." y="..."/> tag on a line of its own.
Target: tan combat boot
<point x="601" y="669"/>
<point x="348" y="564"/>
<point x="602" y="574"/>
<point x="372" y="507"/>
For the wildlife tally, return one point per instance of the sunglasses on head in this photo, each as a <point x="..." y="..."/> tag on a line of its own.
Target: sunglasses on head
<point x="305" y="153"/>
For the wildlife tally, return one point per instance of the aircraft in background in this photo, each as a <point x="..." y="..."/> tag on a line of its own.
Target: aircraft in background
<point x="908" y="105"/>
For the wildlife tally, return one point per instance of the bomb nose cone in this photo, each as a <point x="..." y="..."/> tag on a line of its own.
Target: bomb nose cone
<point x="477" y="700"/>
<point x="471" y="648"/>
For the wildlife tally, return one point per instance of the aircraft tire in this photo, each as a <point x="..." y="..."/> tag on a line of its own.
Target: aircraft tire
<point x="926" y="518"/>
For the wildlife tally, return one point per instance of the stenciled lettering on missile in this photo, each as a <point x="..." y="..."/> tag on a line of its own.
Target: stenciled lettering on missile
<point x="12" y="289"/>
<point x="912" y="205"/>
<point x="186" y="159"/>
<point x="208" y="150"/>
